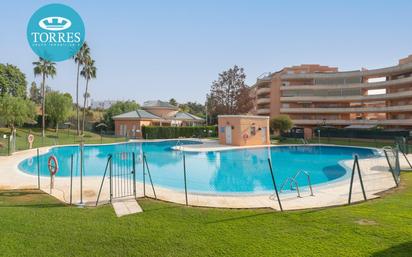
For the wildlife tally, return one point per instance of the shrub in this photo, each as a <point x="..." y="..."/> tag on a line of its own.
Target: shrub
<point x="281" y="123"/>
<point x="155" y="132"/>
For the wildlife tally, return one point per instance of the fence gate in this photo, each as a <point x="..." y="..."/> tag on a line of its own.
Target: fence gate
<point x="122" y="174"/>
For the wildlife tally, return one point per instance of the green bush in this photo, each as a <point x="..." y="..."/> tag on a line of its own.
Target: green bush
<point x="154" y="132"/>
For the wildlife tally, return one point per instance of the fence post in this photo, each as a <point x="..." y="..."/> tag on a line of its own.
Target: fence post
<point x="391" y="168"/>
<point x="38" y="169"/>
<point x="8" y="145"/>
<point x="111" y="177"/>
<point x="150" y="177"/>
<point x="360" y="179"/>
<point x="71" y="179"/>
<point x="274" y="184"/>
<point x="184" y="174"/>
<point x="81" y="171"/>
<point x="134" y="175"/>
<point x="144" y="174"/>
<point x="356" y="165"/>
<point x="109" y="157"/>
<point x="351" y="181"/>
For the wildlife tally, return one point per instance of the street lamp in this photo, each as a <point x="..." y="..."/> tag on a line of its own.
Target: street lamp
<point x="68" y="125"/>
<point x="101" y="126"/>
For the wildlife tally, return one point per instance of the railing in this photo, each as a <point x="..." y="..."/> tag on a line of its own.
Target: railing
<point x="331" y="109"/>
<point x="293" y="180"/>
<point x="178" y="145"/>
<point x="122" y="176"/>
<point x="308" y="178"/>
<point x="290" y="180"/>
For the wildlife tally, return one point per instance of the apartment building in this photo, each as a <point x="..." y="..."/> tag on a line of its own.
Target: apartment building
<point x="314" y="95"/>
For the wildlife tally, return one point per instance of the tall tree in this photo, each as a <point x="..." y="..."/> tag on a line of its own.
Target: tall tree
<point x="44" y="68"/>
<point x="59" y="107"/>
<point x="229" y="94"/>
<point x="12" y="81"/>
<point x="34" y="93"/>
<point x="118" y="108"/>
<point x="15" y="111"/>
<point x="193" y="108"/>
<point x="82" y="55"/>
<point x="173" y="102"/>
<point x="88" y="72"/>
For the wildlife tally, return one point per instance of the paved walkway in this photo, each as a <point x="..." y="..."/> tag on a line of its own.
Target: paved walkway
<point x="126" y="206"/>
<point x="376" y="176"/>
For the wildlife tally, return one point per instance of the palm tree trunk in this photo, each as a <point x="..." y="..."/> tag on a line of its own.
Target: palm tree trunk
<point x="84" y="105"/>
<point x="43" y="112"/>
<point x="77" y="100"/>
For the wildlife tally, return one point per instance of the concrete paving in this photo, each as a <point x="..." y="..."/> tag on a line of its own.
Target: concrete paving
<point x="375" y="172"/>
<point x="126" y="206"/>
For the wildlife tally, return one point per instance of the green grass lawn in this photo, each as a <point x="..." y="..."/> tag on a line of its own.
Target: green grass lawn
<point x="35" y="224"/>
<point x="62" y="138"/>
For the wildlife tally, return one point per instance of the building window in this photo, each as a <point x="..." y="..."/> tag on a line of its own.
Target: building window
<point x="123" y="129"/>
<point x="253" y="131"/>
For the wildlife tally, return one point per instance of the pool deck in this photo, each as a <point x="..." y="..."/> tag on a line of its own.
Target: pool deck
<point x="375" y="174"/>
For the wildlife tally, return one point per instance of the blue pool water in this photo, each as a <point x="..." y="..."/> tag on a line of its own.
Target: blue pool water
<point x="229" y="171"/>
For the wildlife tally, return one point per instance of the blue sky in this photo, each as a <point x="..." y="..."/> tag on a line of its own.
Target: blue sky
<point x="161" y="49"/>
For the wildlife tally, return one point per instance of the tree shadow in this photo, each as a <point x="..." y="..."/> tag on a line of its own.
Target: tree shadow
<point x="241" y="217"/>
<point x="19" y="193"/>
<point x="27" y="199"/>
<point x="404" y="249"/>
<point x="37" y="205"/>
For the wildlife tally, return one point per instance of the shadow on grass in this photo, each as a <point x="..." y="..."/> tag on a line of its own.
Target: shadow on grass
<point x="168" y="206"/>
<point x="19" y="193"/>
<point x="37" y="205"/>
<point x="27" y="199"/>
<point x="404" y="249"/>
<point x="241" y="217"/>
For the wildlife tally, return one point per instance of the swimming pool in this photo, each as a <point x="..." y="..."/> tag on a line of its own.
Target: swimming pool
<point x="214" y="172"/>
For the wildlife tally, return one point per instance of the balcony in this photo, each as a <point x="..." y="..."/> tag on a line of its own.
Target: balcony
<point x="405" y="122"/>
<point x="263" y="111"/>
<point x="397" y="95"/>
<point x="263" y="90"/>
<point x="382" y="72"/>
<point x="377" y="85"/>
<point x="402" y="108"/>
<point x="263" y="100"/>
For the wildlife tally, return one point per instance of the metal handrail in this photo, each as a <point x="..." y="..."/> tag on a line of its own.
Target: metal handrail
<point x="178" y="143"/>
<point x="291" y="180"/>
<point x="308" y="177"/>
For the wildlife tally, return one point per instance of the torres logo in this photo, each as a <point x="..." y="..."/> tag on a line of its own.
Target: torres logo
<point x="55" y="23"/>
<point x="55" y="32"/>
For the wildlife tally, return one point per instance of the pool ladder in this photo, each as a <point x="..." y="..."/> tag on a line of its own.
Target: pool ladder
<point x="292" y="181"/>
<point x="178" y="145"/>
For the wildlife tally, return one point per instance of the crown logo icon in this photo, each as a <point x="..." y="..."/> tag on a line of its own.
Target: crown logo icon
<point x="55" y="23"/>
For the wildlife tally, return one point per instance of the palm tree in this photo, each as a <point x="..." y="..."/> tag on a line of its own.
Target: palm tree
<point x="44" y="68"/>
<point x="80" y="58"/>
<point x="88" y="72"/>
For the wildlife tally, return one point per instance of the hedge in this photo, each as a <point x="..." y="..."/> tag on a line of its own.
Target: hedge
<point x="363" y="133"/>
<point x="154" y="132"/>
